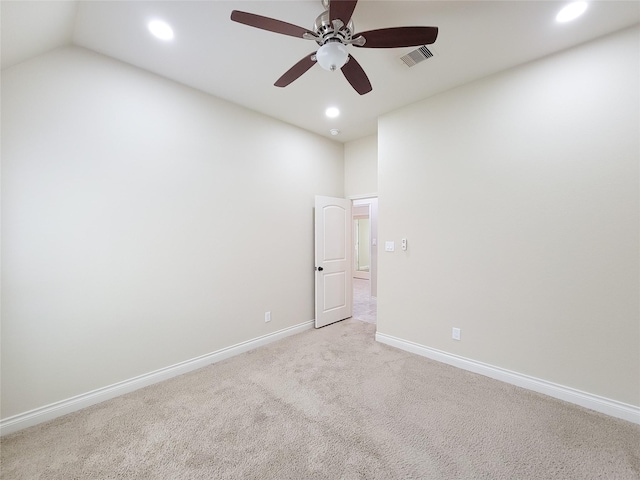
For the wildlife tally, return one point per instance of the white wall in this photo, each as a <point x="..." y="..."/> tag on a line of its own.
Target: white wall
<point x="361" y="167"/>
<point x="519" y="197"/>
<point x="144" y="224"/>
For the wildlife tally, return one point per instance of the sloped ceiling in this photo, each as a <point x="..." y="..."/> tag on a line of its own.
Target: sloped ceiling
<point x="240" y="63"/>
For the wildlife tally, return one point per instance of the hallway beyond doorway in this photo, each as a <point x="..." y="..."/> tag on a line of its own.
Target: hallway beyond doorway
<point x="365" y="307"/>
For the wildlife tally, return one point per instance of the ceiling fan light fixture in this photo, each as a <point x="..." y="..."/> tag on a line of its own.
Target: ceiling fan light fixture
<point x="332" y="56"/>
<point x="333" y="31"/>
<point x="571" y="12"/>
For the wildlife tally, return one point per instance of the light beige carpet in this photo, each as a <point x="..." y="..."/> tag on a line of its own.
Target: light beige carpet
<point x="329" y="403"/>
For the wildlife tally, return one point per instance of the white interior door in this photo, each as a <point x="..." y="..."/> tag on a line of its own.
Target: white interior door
<point x="333" y="260"/>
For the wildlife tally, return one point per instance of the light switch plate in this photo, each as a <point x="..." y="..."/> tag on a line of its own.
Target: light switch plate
<point x="389" y="246"/>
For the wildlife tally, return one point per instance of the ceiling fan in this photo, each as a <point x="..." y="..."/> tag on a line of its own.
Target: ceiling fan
<point x="333" y="30"/>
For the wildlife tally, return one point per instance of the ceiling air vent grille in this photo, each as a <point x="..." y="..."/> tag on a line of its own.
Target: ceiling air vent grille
<point x="417" y="56"/>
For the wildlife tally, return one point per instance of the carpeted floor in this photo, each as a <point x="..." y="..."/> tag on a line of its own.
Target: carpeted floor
<point x="329" y="403"/>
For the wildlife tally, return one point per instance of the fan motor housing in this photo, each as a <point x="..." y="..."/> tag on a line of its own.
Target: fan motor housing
<point x="328" y="32"/>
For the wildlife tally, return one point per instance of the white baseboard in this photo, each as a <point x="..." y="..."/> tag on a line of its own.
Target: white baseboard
<point x="63" y="407"/>
<point x="604" y="405"/>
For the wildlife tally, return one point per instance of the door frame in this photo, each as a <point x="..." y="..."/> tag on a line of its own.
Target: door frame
<point x="366" y="275"/>
<point x="372" y="201"/>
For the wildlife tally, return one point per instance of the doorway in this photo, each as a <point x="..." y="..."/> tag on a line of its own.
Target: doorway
<point x="365" y="259"/>
<point x="362" y="247"/>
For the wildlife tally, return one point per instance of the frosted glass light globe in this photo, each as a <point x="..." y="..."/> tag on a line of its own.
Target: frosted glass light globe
<point x="332" y="56"/>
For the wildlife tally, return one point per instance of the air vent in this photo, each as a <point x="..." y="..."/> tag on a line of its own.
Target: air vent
<point x="417" y="56"/>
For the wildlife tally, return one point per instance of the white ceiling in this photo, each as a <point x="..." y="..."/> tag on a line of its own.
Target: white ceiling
<point x="240" y="64"/>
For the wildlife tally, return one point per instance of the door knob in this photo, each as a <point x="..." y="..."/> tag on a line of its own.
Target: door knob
<point x="320" y="269"/>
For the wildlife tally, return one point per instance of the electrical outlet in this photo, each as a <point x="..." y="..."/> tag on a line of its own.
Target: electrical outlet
<point x="267" y="316"/>
<point x="455" y="333"/>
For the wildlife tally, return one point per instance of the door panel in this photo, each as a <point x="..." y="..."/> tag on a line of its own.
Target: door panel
<point x="333" y="260"/>
<point x="334" y="233"/>
<point x="334" y="289"/>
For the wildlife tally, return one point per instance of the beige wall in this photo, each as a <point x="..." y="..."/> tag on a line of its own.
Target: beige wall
<point x="519" y="198"/>
<point x="361" y="167"/>
<point x="144" y="224"/>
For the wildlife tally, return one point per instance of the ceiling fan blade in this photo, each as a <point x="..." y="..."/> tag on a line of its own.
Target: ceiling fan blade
<point x="270" y="24"/>
<point x="355" y="75"/>
<point x="296" y="71"/>
<point x="398" y="37"/>
<point x="341" y="9"/>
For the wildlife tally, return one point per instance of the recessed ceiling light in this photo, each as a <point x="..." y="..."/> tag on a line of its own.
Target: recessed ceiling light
<point x="571" y="12"/>
<point x="161" y="29"/>
<point x="332" y="112"/>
